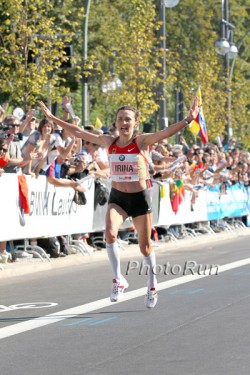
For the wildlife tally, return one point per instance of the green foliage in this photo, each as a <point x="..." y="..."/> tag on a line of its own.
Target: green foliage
<point x="191" y="34"/>
<point x="123" y="38"/>
<point x="130" y="53"/>
<point x="31" y="50"/>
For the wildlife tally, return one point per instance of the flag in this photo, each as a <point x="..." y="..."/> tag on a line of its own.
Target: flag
<point x="23" y="194"/>
<point x="98" y="123"/>
<point x="198" y="125"/>
<point x="177" y="194"/>
<point x="3" y="162"/>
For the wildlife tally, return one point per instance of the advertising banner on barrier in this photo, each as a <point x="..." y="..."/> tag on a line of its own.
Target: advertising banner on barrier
<point x="52" y="210"/>
<point x="188" y="211"/>
<point x="229" y="202"/>
<point x="213" y="203"/>
<point x="239" y="197"/>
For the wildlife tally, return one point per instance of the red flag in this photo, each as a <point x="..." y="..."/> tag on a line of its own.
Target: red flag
<point x="177" y="194"/>
<point x="23" y="194"/>
<point x="3" y="162"/>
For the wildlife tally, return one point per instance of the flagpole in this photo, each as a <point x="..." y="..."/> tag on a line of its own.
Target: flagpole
<point x="85" y="106"/>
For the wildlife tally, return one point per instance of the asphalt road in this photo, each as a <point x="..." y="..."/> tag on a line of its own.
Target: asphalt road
<point x="60" y="320"/>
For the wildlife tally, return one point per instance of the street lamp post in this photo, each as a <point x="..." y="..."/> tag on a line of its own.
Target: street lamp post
<point x="225" y="46"/>
<point x="234" y="59"/>
<point x="163" y="120"/>
<point x="113" y="82"/>
<point x="85" y="114"/>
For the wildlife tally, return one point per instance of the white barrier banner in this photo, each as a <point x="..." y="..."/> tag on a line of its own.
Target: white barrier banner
<point x="52" y="211"/>
<point x="187" y="212"/>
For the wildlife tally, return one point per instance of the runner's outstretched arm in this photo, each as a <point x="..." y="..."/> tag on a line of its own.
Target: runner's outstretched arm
<point x="74" y="129"/>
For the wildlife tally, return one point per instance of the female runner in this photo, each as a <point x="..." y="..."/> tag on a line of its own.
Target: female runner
<point x="129" y="196"/>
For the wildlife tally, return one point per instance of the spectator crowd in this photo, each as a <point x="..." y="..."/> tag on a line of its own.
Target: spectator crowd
<point x="38" y="147"/>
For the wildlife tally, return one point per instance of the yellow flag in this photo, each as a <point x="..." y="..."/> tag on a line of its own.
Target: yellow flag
<point x="98" y="123"/>
<point x="198" y="125"/>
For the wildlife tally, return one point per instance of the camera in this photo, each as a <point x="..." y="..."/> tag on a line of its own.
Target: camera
<point x="4" y="135"/>
<point x="77" y="159"/>
<point x="18" y="137"/>
<point x="157" y="175"/>
<point x="3" y="129"/>
<point x="58" y="131"/>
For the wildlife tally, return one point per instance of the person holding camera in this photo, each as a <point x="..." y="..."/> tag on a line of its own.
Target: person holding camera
<point x="11" y="133"/>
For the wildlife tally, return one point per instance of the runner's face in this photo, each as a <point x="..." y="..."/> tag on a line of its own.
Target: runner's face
<point x="125" y="122"/>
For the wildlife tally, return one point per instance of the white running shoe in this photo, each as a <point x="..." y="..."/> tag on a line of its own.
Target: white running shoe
<point x="118" y="288"/>
<point x="151" y="298"/>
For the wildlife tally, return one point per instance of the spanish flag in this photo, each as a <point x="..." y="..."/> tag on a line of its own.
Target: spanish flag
<point x="198" y="125"/>
<point x="177" y="194"/>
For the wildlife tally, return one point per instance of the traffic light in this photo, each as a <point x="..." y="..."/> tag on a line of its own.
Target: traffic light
<point x="68" y="52"/>
<point x="178" y="106"/>
<point x="32" y="58"/>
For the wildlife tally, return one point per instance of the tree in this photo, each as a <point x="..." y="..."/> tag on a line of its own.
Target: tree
<point x="32" y="51"/>
<point x="132" y="52"/>
<point x="123" y="39"/>
<point x="191" y="34"/>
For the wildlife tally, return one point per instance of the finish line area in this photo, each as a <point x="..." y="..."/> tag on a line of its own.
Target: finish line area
<point x="103" y="303"/>
<point x="198" y="326"/>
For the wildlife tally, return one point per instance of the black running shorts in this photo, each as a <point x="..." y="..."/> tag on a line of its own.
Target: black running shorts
<point x="134" y="204"/>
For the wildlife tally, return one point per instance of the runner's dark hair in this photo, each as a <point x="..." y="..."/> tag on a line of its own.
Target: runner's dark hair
<point x="129" y="108"/>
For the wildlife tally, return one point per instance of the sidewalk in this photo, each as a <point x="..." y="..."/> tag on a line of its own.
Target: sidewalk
<point x="28" y="266"/>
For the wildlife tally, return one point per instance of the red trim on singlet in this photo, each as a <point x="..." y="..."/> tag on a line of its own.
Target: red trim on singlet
<point x="131" y="148"/>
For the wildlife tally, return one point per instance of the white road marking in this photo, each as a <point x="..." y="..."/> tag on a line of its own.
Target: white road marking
<point x="42" y="321"/>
